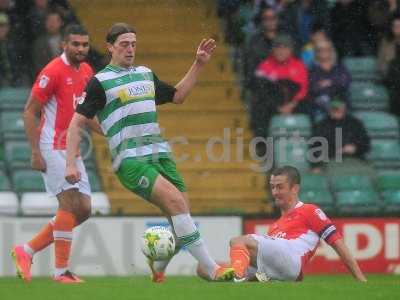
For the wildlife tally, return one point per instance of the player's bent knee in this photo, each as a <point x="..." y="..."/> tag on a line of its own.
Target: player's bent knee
<point x="84" y="209"/>
<point x="175" y="205"/>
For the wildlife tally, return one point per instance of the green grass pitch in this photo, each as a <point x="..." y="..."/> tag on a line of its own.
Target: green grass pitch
<point x="187" y="288"/>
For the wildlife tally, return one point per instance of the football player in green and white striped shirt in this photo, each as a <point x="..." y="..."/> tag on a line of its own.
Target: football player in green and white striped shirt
<point x="124" y="99"/>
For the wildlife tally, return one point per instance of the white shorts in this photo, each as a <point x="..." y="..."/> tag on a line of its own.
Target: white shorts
<point x="54" y="178"/>
<point x="276" y="260"/>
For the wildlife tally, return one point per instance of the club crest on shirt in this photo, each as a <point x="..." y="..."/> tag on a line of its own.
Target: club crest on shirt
<point x="43" y="81"/>
<point x="77" y="100"/>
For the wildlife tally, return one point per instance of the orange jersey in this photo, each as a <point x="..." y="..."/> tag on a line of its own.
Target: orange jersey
<point x="59" y="88"/>
<point x="303" y="227"/>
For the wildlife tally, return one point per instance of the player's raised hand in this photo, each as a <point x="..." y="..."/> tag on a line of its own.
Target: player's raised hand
<point x="205" y="50"/>
<point x="72" y="175"/>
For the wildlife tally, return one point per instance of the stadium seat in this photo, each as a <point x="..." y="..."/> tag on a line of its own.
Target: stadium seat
<point x="358" y="202"/>
<point x="13" y="98"/>
<point x="27" y="181"/>
<point x="94" y="180"/>
<point x="385" y="154"/>
<point x="362" y="68"/>
<point x="388" y="181"/>
<point x="311" y="181"/>
<point x="391" y="200"/>
<point x="351" y="182"/>
<point x="379" y="124"/>
<point x="368" y="96"/>
<point x="100" y="204"/>
<point x="321" y="197"/>
<point x="38" y="204"/>
<point x="285" y="126"/>
<point x="12" y="125"/>
<point x="8" y="203"/>
<point x="18" y="154"/>
<point x="4" y="182"/>
<point x="291" y="152"/>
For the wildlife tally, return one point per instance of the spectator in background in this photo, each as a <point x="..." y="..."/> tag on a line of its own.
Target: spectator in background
<point x="282" y="65"/>
<point x="280" y="83"/>
<point x="260" y="44"/>
<point x="387" y="47"/>
<point x="298" y="18"/>
<point x="350" y="30"/>
<point x="48" y="45"/>
<point x="36" y="19"/>
<point x="327" y="78"/>
<point x="17" y="30"/>
<point x="355" y="142"/>
<point x="11" y="59"/>
<point x="380" y="13"/>
<point x="318" y="33"/>
<point x="392" y="82"/>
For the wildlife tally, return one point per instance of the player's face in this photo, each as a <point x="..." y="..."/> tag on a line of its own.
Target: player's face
<point x="283" y="192"/>
<point x="76" y="48"/>
<point x="123" y="50"/>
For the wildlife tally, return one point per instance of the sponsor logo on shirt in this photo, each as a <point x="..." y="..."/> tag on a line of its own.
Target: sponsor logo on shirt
<point x="43" y="81"/>
<point x="69" y="81"/>
<point x="136" y="92"/>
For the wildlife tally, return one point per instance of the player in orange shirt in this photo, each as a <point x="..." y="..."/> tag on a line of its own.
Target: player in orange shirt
<point x="58" y="89"/>
<point x="291" y="241"/>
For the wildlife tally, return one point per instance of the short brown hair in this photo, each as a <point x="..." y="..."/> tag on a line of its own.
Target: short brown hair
<point x="116" y="30"/>
<point x="290" y="172"/>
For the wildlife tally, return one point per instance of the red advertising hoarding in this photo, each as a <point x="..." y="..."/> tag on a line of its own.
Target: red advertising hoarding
<point x="374" y="242"/>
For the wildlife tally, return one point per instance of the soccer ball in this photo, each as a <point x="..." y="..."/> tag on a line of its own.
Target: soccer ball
<point x="158" y="243"/>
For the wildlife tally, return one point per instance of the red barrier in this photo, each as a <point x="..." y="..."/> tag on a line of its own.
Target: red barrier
<point x="374" y="242"/>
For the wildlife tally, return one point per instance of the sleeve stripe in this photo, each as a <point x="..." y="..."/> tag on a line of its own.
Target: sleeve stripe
<point x="328" y="231"/>
<point x="330" y="234"/>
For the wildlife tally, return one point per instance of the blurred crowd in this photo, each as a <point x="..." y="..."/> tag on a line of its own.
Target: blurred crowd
<point x="289" y="54"/>
<point x="31" y="36"/>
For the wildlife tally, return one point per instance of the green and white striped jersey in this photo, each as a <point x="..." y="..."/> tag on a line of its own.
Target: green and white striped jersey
<point x="124" y="101"/>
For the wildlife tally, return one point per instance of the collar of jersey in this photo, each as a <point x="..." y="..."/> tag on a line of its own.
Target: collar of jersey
<point x="118" y="69"/>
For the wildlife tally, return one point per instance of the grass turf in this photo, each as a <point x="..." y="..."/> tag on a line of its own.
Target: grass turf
<point x="119" y="288"/>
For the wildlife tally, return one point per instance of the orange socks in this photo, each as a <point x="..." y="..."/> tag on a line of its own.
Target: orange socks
<point x="240" y="260"/>
<point x="44" y="237"/>
<point x="64" y="223"/>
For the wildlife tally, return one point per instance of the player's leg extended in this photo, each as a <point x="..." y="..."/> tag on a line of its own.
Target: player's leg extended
<point x="74" y="208"/>
<point x="172" y="202"/>
<point x="243" y="253"/>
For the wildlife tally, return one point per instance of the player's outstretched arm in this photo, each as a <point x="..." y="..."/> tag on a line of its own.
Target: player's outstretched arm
<point x="203" y="55"/>
<point x="31" y="112"/>
<point x="72" y="175"/>
<point x="345" y="255"/>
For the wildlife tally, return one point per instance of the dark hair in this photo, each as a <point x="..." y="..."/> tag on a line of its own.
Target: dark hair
<point x="116" y="30"/>
<point x="55" y="11"/>
<point x="74" y="29"/>
<point x="290" y="172"/>
<point x="258" y="17"/>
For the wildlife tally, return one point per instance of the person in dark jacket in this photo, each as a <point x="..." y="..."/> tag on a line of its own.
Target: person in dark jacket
<point x="327" y="79"/>
<point x="260" y="44"/>
<point x="344" y="136"/>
